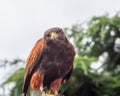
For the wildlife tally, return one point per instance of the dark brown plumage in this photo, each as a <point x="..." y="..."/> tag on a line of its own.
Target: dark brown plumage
<point x="49" y="63"/>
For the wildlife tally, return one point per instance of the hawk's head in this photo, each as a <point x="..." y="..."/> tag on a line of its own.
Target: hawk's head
<point x="54" y="34"/>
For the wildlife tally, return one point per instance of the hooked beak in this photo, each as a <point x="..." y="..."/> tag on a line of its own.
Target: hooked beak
<point x="54" y="35"/>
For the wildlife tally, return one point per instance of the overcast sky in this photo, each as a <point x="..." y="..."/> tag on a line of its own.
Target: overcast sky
<point x="23" y="22"/>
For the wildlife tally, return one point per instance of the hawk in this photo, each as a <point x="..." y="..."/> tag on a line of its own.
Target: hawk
<point x="49" y="64"/>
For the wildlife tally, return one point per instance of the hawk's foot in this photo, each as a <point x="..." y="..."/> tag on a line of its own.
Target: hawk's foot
<point x="49" y="95"/>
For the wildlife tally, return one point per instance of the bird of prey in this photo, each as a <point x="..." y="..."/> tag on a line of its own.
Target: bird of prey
<point x="49" y="64"/>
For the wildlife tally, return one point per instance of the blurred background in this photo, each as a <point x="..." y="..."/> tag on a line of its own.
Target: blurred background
<point x="93" y="26"/>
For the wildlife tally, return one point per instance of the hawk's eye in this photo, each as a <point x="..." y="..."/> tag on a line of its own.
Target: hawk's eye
<point x="48" y="35"/>
<point x="57" y="31"/>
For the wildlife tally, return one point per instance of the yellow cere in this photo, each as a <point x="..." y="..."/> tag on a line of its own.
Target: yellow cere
<point x="54" y="35"/>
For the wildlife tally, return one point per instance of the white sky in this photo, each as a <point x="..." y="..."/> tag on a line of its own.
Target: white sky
<point x="22" y="22"/>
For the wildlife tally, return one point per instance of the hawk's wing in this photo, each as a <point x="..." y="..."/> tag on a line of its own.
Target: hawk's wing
<point x="68" y="75"/>
<point x="32" y="63"/>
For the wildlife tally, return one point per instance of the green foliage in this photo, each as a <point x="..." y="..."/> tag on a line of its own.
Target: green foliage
<point x="91" y="43"/>
<point x="17" y="78"/>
